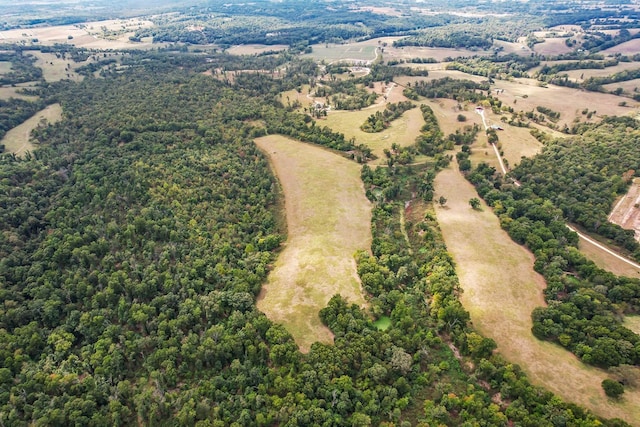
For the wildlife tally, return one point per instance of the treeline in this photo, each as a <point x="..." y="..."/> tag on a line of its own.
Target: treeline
<point x="473" y="33"/>
<point x="346" y="94"/>
<point x="22" y="68"/>
<point x="381" y="120"/>
<point x="14" y="111"/>
<point x="579" y="65"/>
<point x="431" y="140"/>
<point x="289" y="23"/>
<point x="447" y="87"/>
<point x="505" y="66"/>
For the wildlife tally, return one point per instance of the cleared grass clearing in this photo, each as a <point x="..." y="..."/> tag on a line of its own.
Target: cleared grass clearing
<point x="328" y="220"/>
<point x="552" y="46"/>
<point x="7" y="92"/>
<point x="581" y="75"/>
<point x="111" y="34"/>
<point x="606" y="261"/>
<point x="17" y="139"/>
<point x="5" y="67"/>
<point x="626" y="211"/>
<point x="254" y="49"/>
<point x="403" y="131"/>
<point x="515" y="142"/>
<point x="630" y="47"/>
<point x="343" y="52"/>
<point x="501" y="290"/>
<point x="633" y="323"/>
<point x="528" y="94"/>
<point x="629" y="86"/>
<point x="55" y="69"/>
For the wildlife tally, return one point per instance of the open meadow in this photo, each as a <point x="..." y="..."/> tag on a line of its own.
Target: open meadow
<point x="328" y="220"/>
<point x="633" y="323"/>
<point x="17" y="140"/>
<point x="500" y="290"/>
<point x="111" y="34"/>
<point x="369" y="50"/>
<point x="7" y="92"/>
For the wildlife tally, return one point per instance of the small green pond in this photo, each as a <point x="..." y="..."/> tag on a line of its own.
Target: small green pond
<point x="382" y="323"/>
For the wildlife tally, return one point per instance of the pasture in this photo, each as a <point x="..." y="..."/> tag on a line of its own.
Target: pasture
<point x="527" y="94"/>
<point x="112" y="34"/>
<point x="552" y="46"/>
<point x="366" y="51"/>
<point x="582" y="75"/>
<point x="606" y="261"/>
<point x="55" y="69"/>
<point x="501" y="290"/>
<point x="328" y="220"/>
<point x="5" y="67"/>
<point x="17" y="140"/>
<point x="350" y="52"/>
<point x="7" y="92"/>
<point x="630" y="47"/>
<point x="255" y="49"/>
<point x="633" y="323"/>
<point x="403" y="131"/>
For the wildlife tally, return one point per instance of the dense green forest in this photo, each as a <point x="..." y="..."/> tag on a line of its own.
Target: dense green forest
<point x="136" y="238"/>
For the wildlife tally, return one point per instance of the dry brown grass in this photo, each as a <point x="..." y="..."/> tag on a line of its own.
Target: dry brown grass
<point x="500" y="291"/>
<point x="254" y="49"/>
<point x="7" y="92"/>
<point x="626" y="211"/>
<point x="55" y="69"/>
<point x="328" y="220"/>
<point x="606" y="261"/>
<point x="88" y="35"/>
<point x="630" y="47"/>
<point x="629" y="86"/>
<point x="528" y="94"/>
<point x="633" y="323"/>
<point x="581" y="75"/>
<point x="552" y="46"/>
<point x="17" y="139"/>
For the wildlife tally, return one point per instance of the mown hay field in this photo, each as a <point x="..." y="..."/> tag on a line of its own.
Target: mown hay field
<point x="328" y="220"/>
<point x="500" y="290"/>
<point x="17" y="140"/>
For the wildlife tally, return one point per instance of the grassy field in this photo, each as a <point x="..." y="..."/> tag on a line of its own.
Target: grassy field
<point x="343" y="52"/>
<point x="253" y="49"/>
<point x="5" y="67"/>
<point x="17" y="139"/>
<point x="606" y="261"/>
<point x="55" y="69"/>
<point x="630" y="47"/>
<point x="633" y="323"/>
<point x="581" y="75"/>
<point x="365" y="51"/>
<point x="500" y="291"/>
<point x="7" y="92"/>
<point x="112" y="34"/>
<point x="325" y="228"/>
<point x="403" y="131"/>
